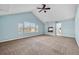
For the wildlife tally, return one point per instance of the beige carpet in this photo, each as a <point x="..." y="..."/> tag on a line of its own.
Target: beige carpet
<point x="40" y="45"/>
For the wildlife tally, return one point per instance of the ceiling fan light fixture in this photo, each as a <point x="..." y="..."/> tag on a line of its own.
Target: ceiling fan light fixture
<point x="44" y="8"/>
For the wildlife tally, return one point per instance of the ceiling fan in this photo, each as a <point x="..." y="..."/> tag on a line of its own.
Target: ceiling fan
<point x="44" y="8"/>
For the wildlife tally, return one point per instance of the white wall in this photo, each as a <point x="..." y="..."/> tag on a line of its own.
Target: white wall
<point x="77" y="26"/>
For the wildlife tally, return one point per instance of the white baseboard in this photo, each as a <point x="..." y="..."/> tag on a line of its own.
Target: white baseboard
<point x="18" y="38"/>
<point x="77" y="42"/>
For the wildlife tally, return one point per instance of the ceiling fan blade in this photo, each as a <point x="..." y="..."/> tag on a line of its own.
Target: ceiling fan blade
<point x="40" y="10"/>
<point x="44" y="8"/>
<point x="47" y="8"/>
<point x="44" y="5"/>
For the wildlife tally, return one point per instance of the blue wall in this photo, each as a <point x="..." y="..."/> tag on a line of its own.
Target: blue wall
<point x="68" y="28"/>
<point x="0" y="29"/>
<point x="9" y="25"/>
<point x="77" y="26"/>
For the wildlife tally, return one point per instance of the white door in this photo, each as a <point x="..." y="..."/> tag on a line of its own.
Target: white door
<point x="58" y="29"/>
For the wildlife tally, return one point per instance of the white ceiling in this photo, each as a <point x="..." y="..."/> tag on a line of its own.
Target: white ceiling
<point x="16" y="8"/>
<point x="56" y="13"/>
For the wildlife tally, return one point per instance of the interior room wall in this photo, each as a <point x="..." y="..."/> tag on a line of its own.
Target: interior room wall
<point x="68" y="28"/>
<point x="0" y="30"/>
<point x="77" y="26"/>
<point x="9" y="25"/>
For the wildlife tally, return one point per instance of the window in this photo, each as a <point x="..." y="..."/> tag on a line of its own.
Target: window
<point x="20" y="27"/>
<point x="36" y="28"/>
<point x="33" y="27"/>
<point x="28" y="27"/>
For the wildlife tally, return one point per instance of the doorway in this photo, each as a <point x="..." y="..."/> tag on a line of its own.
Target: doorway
<point x="58" y="29"/>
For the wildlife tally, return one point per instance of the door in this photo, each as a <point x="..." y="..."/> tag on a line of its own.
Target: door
<point x="58" y="29"/>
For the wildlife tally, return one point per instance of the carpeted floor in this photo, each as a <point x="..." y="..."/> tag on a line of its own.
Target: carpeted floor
<point x="40" y="45"/>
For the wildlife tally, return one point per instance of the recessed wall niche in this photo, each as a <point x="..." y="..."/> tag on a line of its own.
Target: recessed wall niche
<point x="50" y="29"/>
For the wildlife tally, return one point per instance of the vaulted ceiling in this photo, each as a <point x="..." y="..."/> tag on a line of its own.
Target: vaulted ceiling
<point x="56" y="13"/>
